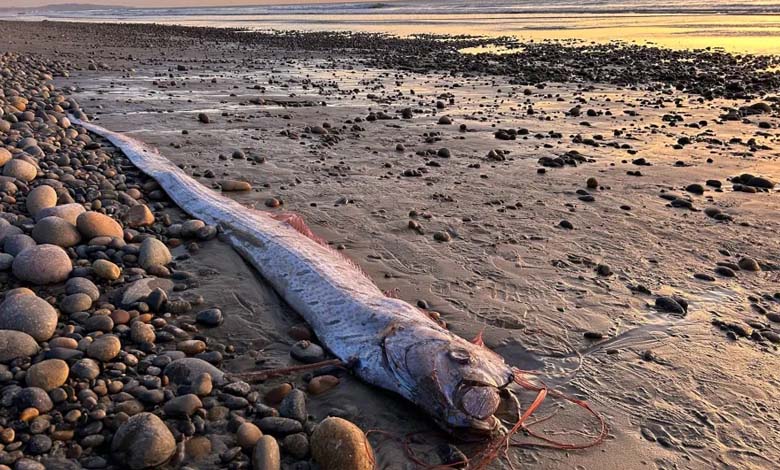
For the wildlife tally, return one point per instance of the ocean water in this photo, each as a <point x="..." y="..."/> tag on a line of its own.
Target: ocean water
<point x="742" y="26"/>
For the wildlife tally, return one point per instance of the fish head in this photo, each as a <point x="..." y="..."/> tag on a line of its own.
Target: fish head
<point x="459" y="383"/>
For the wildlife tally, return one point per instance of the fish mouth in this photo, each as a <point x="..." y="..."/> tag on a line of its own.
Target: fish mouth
<point x="479" y="403"/>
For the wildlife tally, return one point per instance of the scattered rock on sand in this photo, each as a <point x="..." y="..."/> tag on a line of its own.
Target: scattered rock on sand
<point x="337" y="444"/>
<point x="143" y="441"/>
<point x="153" y="252"/>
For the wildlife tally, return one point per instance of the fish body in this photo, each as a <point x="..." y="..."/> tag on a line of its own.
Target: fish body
<point x="392" y="344"/>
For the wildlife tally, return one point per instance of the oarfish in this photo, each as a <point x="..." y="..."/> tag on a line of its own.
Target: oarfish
<point x="390" y="343"/>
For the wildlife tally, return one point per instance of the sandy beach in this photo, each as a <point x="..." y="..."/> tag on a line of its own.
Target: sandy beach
<point x="605" y="215"/>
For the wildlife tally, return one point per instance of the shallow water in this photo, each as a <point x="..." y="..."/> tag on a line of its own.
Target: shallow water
<point x="733" y="25"/>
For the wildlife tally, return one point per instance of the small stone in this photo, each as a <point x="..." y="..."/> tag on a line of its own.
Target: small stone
<point x="307" y="352"/>
<point x="82" y="285"/>
<point x="68" y="212"/>
<point x="104" y="348"/>
<point x="234" y="185"/>
<point x="442" y="236"/>
<point x="277" y="425"/>
<point x="191" y="346"/>
<point x="105" y="269"/>
<point x="297" y="445"/>
<point x="277" y="394"/>
<point x="48" y="374"/>
<point x="140" y="216"/>
<point x="265" y="455"/>
<point x="203" y="118"/>
<point x="85" y="369"/>
<point x="41" y="197"/>
<point x="202" y="385"/>
<point x="669" y="305"/>
<point x="592" y="183"/>
<point x="183" y="406"/>
<point x="15" y="344"/>
<point x="210" y="317"/>
<point x="29" y="314"/>
<point x="20" y="169"/>
<point x="184" y="371"/>
<point x="76" y="303"/>
<point x="337" y="444"/>
<point x="143" y="441"/>
<point x="94" y="224"/>
<point x="749" y="264"/>
<point x="33" y="397"/>
<point x="321" y="384"/>
<point x="725" y="272"/>
<point x="153" y="252"/>
<point x="293" y="406"/>
<point x="42" y="264"/>
<point x="141" y="332"/>
<point x="56" y="231"/>
<point x="248" y="434"/>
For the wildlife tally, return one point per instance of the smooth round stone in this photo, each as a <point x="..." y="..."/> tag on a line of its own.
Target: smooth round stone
<point x="20" y="169"/>
<point x="143" y="441"/>
<point x="76" y="303"/>
<point x="42" y="264"/>
<point x="56" y="231"/>
<point x="105" y="269"/>
<point x="296" y="445"/>
<point x="69" y="212"/>
<point x="48" y="374"/>
<point x="5" y="155"/>
<point x="337" y="444"/>
<point x="190" y="228"/>
<point x="102" y="323"/>
<point x="293" y="406"/>
<point x="6" y="261"/>
<point x="41" y="197"/>
<point x="202" y="385"/>
<point x="248" y="434"/>
<point x="63" y="342"/>
<point x="15" y="244"/>
<point x="279" y="426"/>
<point x="29" y="314"/>
<point x="85" y="369"/>
<point x="747" y="264"/>
<point x="210" y="317"/>
<point x="15" y="344"/>
<point x="307" y="352"/>
<point x="265" y="455"/>
<point x="7" y="230"/>
<point x="141" y="332"/>
<point x="104" y="348"/>
<point x="153" y="252"/>
<point x="183" y="406"/>
<point x="28" y="464"/>
<point x="139" y="216"/>
<point x="82" y="285"/>
<point x="183" y="371"/>
<point x="94" y="224"/>
<point x="191" y="346"/>
<point x="33" y="397"/>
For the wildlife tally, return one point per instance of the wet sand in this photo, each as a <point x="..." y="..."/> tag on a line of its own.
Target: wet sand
<point x="677" y="390"/>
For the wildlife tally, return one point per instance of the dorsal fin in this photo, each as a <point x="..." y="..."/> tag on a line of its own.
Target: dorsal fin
<point x="296" y="221"/>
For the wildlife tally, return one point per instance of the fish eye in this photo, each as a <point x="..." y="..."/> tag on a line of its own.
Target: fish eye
<point x="461" y="356"/>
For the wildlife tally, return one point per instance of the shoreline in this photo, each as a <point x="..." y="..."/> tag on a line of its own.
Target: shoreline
<point x="473" y="228"/>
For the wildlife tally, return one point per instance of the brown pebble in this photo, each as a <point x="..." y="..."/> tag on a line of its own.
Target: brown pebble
<point x="321" y="384"/>
<point x="276" y="394"/>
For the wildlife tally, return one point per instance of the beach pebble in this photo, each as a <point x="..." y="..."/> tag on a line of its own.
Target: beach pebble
<point x="141" y="332"/>
<point x="307" y="352"/>
<point x="86" y="369"/>
<point x="143" y="441"/>
<point x="296" y="445"/>
<point x="20" y="169"/>
<point x="210" y="317"/>
<point x="105" y="269"/>
<point x="94" y="224"/>
<point x="183" y="406"/>
<point x="321" y="384"/>
<point x="5" y="155"/>
<point x="279" y="426"/>
<point x="41" y="197"/>
<point x="75" y="303"/>
<point x="48" y="374"/>
<point x="265" y="455"/>
<point x="56" y="231"/>
<point x="15" y="344"/>
<point x="15" y="244"/>
<point x="293" y="406"/>
<point x="202" y="385"/>
<point x="234" y="185"/>
<point x="185" y="370"/>
<point x="248" y="434"/>
<point x="669" y="305"/>
<point x="139" y="216"/>
<point x="82" y="285"/>
<point x="749" y="264"/>
<point x="104" y="348"/>
<point x="6" y="261"/>
<point x="29" y="314"/>
<point x="42" y="264"/>
<point x="153" y="252"/>
<point x="69" y="212"/>
<point x="34" y="397"/>
<point x="337" y="444"/>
